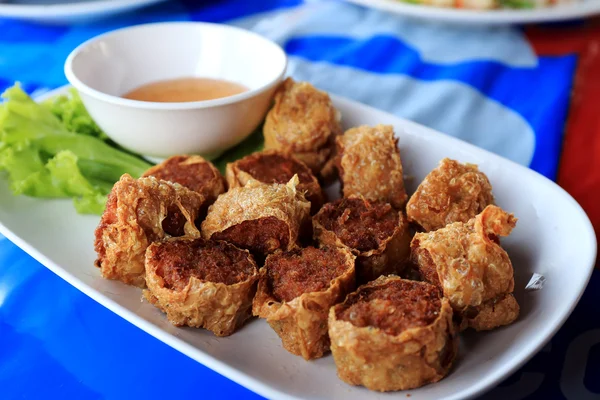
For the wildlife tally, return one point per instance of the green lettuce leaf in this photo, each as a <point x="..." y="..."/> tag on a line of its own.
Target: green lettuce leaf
<point x="253" y="143"/>
<point x="55" y="150"/>
<point x="69" y="109"/>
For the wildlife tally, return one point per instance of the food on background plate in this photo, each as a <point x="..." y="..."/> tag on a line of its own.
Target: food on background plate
<point x="192" y="172"/>
<point x="304" y="122"/>
<point x="185" y="90"/>
<point x="259" y="217"/>
<point x="272" y="166"/>
<point x="452" y="192"/>
<point x="296" y="290"/>
<point x="55" y="150"/>
<point x="375" y="232"/>
<point x="138" y="213"/>
<point x="201" y="283"/>
<point x="466" y="262"/>
<point x="369" y="165"/>
<point x="393" y="334"/>
<point x="492" y="4"/>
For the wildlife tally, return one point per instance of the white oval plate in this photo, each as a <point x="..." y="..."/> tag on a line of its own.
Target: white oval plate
<point x="553" y="237"/>
<point x="68" y="11"/>
<point x="563" y="12"/>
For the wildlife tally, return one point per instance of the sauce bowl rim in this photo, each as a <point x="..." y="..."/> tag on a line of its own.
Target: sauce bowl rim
<point x="82" y="87"/>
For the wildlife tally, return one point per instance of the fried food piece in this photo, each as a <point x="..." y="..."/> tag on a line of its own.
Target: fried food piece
<point x="304" y="122"/>
<point x="369" y="165"/>
<point x="393" y="334"/>
<point x="272" y="166"/>
<point x="192" y="172"/>
<point x="139" y="212"/>
<point x="201" y="283"/>
<point x="296" y="290"/>
<point x="259" y="217"/>
<point x="374" y="231"/>
<point x="452" y="192"/>
<point x="466" y="262"/>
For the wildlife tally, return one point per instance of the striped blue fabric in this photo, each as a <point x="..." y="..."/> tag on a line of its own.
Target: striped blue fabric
<point x="484" y="85"/>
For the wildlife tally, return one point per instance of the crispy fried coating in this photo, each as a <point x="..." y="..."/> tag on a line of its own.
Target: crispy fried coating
<point x="303" y="122"/>
<point x="452" y="192"/>
<point x="259" y="217"/>
<point x="466" y="261"/>
<point x="296" y="290"/>
<point x="192" y="172"/>
<point x="273" y="166"/>
<point x="139" y="212"/>
<point x="499" y="311"/>
<point x="375" y="232"/>
<point x="393" y="334"/>
<point x="369" y="164"/>
<point x="201" y="283"/>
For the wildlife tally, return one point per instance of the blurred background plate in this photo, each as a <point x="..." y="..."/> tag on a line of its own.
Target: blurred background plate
<point x="562" y="12"/>
<point x="67" y="11"/>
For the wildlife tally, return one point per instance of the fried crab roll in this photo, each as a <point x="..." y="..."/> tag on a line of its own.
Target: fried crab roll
<point x="259" y="217"/>
<point x="304" y="122"/>
<point x="452" y="192"/>
<point x="272" y="166"/>
<point x="296" y="290"/>
<point x="139" y="212"/>
<point x="374" y="231"/>
<point x="201" y="283"/>
<point x="369" y="165"/>
<point x="192" y="172"/>
<point x="466" y="262"/>
<point x="393" y="334"/>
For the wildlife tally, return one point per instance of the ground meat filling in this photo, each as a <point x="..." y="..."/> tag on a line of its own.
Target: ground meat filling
<point x="218" y="262"/>
<point x="427" y="267"/>
<point x="292" y="273"/>
<point x="393" y="307"/>
<point x="275" y="168"/>
<point x="174" y="222"/>
<point x="193" y="176"/>
<point x="359" y="224"/>
<point x="261" y="236"/>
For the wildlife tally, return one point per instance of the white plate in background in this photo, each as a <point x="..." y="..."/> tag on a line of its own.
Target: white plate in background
<point x="553" y="237"/>
<point x="67" y="11"/>
<point x="563" y="12"/>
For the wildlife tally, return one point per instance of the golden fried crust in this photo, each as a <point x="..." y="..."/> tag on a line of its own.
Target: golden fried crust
<point x="500" y="311"/>
<point x="282" y="167"/>
<point x="452" y="192"/>
<point x="192" y="172"/>
<point x="369" y="164"/>
<point x="302" y="323"/>
<point x="138" y="213"/>
<point x="390" y="256"/>
<point x="466" y="261"/>
<point x="381" y="361"/>
<point x="258" y="201"/>
<point x="303" y="122"/>
<point x="216" y="306"/>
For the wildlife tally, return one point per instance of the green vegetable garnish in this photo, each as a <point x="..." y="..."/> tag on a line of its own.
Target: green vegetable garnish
<point x="253" y="143"/>
<point x="517" y="3"/>
<point x="73" y="115"/>
<point x="55" y="149"/>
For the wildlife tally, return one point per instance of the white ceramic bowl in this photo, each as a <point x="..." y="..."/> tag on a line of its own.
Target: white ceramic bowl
<point x="108" y="66"/>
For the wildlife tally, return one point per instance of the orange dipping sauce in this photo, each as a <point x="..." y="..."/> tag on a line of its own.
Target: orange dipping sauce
<point x="185" y="90"/>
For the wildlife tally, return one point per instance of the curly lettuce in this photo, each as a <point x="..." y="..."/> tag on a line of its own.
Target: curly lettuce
<point x="55" y="150"/>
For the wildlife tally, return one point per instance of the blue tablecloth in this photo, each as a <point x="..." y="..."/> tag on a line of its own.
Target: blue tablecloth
<point x="488" y="86"/>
